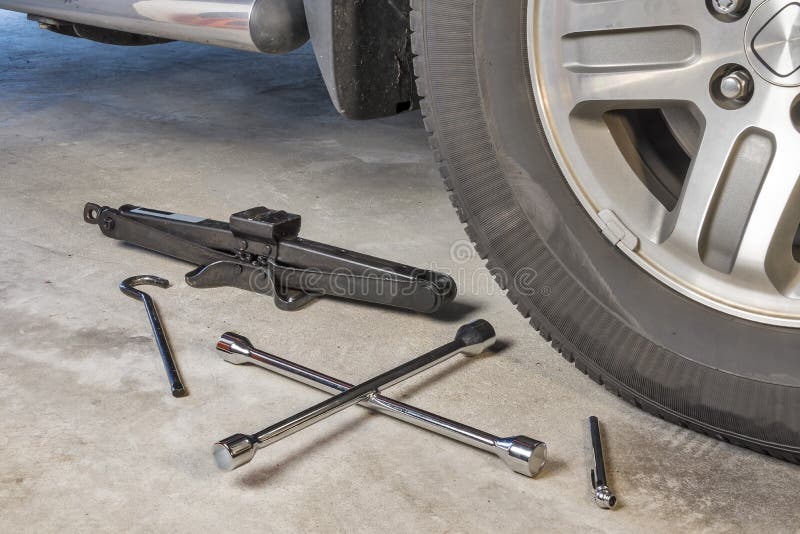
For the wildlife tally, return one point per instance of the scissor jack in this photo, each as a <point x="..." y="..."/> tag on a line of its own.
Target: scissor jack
<point x="259" y="250"/>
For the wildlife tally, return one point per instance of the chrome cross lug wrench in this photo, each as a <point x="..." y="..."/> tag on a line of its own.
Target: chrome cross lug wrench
<point x="522" y="454"/>
<point x="235" y="451"/>
<point x="127" y="287"/>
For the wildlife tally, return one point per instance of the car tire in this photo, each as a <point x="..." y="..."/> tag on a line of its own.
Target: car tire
<point x="732" y="379"/>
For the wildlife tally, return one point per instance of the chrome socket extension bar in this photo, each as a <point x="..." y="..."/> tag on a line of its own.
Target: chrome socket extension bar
<point x="524" y="455"/>
<point x="603" y="495"/>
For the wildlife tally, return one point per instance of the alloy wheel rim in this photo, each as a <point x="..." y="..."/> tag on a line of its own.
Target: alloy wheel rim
<point x="677" y="126"/>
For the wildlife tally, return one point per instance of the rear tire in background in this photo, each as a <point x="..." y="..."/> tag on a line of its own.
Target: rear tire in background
<point x="735" y="379"/>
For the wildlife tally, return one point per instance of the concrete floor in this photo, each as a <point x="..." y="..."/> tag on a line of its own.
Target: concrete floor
<point x="94" y="442"/>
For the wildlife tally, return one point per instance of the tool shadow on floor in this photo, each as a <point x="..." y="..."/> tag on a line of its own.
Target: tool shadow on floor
<point x="454" y="312"/>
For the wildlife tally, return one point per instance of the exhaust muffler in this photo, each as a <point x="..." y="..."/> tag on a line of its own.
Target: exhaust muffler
<point x="269" y="26"/>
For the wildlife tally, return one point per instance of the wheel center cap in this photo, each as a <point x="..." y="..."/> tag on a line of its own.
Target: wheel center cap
<point x="773" y="42"/>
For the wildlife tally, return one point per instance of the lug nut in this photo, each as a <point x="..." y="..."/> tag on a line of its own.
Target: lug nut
<point x="728" y="7"/>
<point x="736" y="85"/>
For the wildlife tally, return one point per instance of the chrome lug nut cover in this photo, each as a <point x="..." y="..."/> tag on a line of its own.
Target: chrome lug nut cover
<point x="727" y="7"/>
<point x="736" y="85"/>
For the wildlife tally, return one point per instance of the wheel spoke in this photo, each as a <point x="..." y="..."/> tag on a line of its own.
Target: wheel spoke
<point x="628" y="14"/>
<point x="766" y="245"/>
<point x="635" y="89"/>
<point x="630" y="52"/>
<point x="718" y="157"/>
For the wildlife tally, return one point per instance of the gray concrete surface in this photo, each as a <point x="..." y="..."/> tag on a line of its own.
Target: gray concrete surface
<point x="91" y="439"/>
